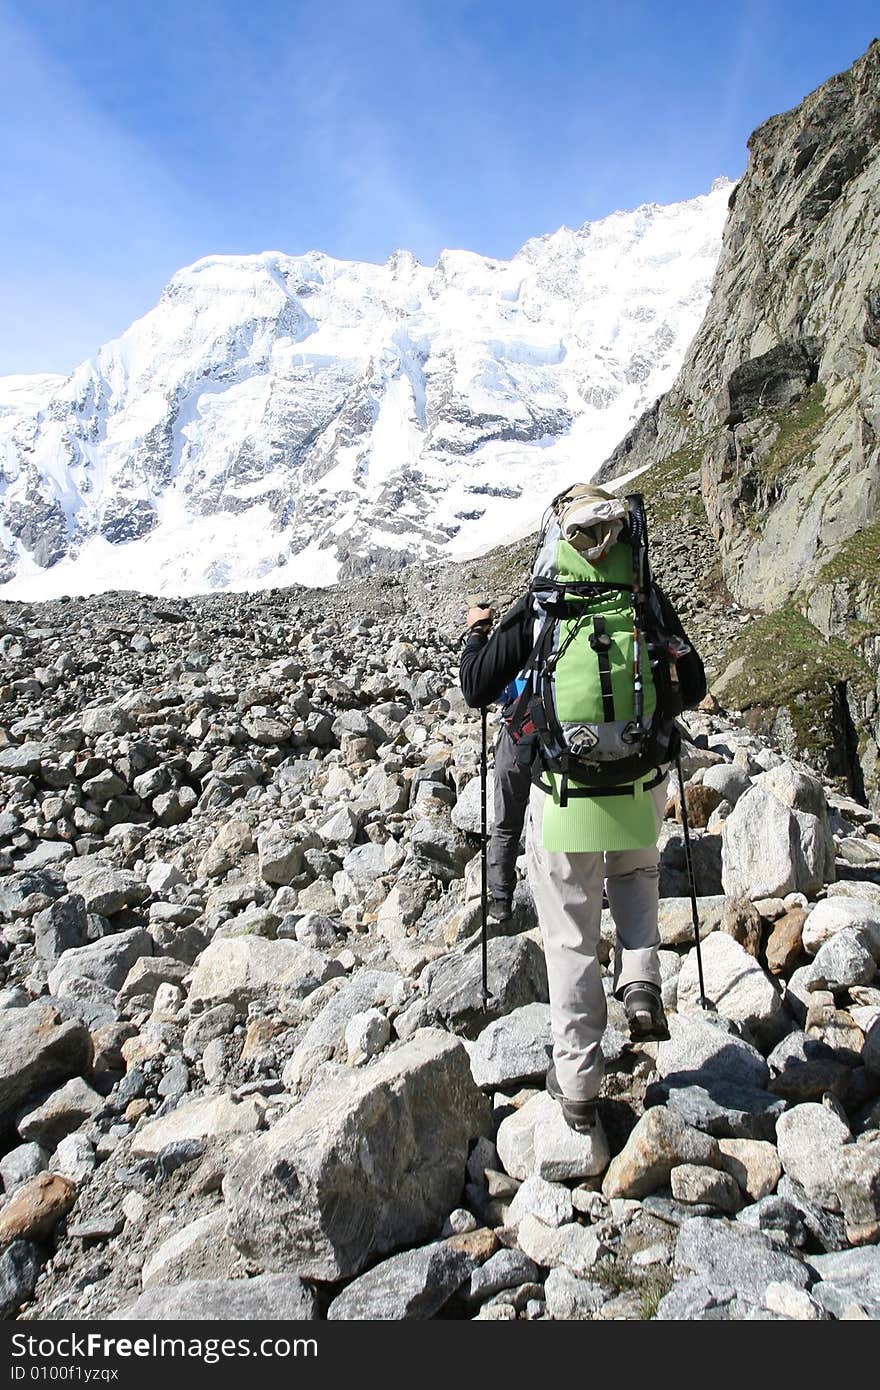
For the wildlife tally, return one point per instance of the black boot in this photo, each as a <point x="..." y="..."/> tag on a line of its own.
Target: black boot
<point x="644" y="1010"/>
<point x="579" y="1115"/>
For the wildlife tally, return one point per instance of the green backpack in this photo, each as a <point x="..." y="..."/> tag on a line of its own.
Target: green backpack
<point x="601" y="689"/>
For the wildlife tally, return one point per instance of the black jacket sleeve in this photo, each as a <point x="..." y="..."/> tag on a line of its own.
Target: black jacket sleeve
<point x="691" y="673"/>
<point x="489" y="664"/>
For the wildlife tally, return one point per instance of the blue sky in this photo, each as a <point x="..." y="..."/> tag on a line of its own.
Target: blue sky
<point x="138" y="135"/>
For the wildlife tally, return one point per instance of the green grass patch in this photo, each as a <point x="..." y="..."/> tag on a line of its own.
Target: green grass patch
<point x="671" y="491"/>
<point x="788" y="663"/>
<point x="857" y="565"/>
<point x="799" y="425"/>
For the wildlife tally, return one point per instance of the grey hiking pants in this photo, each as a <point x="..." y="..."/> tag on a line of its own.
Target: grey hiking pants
<point x="567" y="889"/>
<point x="512" y="785"/>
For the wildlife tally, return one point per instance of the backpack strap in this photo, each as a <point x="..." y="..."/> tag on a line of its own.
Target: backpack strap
<point x="575" y="792"/>
<point x="600" y="641"/>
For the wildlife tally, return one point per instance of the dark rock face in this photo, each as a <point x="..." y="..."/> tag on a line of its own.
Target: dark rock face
<point x="772" y="381"/>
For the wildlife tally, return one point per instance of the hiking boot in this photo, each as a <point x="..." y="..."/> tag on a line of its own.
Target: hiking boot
<point x="501" y="909"/>
<point x="580" y="1115"/>
<point x="644" y="1010"/>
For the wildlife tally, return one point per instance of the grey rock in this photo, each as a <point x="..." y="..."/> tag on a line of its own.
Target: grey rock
<point x="770" y="850"/>
<point x="775" y="1214"/>
<point x="737" y="986"/>
<point x="371" y="1159"/>
<point x="535" y="1139"/>
<point x="704" y="1045"/>
<point x="37" y="1050"/>
<point x="198" y="1248"/>
<point x="268" y="1298"/>
<point x="732" y="782"/>
<point x="725" y="1109"/>
<point x="452" y="985"/>
<point x="844" y="961"/>
<point x="549" y="1201"/>
<point x="20" y="1266"/>
<point x="325" y="1035"/>
<point x="577" y="1248"/>
<point x="506" y="1269"/>
<point x="107" y="961"/>
<point x="514" y="1048"/>
<point x="60" y="926"/>
<point x="46" y="854"/>
<point x="695" y="1183"/>
<point x="836" y="914"/>
<point x="20" y="1164"/>
<point x="825" y="1229"/>
<point x="849" y="1276"/>
<point x="693" y="1300"/>
<point x="571" y="1299"/>
<point x="858" y="1187"/>
<point x="727" y="1253"/>
<point x="809" y="1139"/>
<point x="246" y="969"/>
<point x="61" y="1113"/>
<point x="213" y="1023"/>
<point x="366" y="1034"/>
<point x="467" y="812"/>
<point x="109" y="890"/>
<point x="414" y="1284"/>
<point x="675" y="918"/>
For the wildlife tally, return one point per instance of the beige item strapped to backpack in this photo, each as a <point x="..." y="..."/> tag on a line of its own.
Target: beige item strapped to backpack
<point x="590" y="519"/>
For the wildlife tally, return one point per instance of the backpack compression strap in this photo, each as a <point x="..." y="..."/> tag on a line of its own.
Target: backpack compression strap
<point x="575" y="792"/>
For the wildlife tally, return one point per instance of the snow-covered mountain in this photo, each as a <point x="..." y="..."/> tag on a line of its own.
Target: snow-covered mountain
<point x="279" y="419"/>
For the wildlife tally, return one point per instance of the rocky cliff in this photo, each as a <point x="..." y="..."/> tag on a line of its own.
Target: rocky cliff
<point x="771" y="429"/>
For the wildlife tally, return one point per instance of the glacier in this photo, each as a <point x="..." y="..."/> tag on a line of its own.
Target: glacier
<point x="280" y="420"/>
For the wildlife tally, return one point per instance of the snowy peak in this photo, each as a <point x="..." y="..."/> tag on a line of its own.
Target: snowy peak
<point x="279" y="419"/>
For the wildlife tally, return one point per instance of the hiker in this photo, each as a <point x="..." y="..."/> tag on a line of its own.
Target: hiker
<point x="512" y="784"/>
<point x="608" y="666"/>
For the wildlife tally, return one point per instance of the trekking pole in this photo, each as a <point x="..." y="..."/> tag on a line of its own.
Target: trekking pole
<point x="484" y="894"/>
<point x="704" y="1002"/>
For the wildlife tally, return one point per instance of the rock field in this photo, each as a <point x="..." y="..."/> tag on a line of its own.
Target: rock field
<point x="245" y="1070"/>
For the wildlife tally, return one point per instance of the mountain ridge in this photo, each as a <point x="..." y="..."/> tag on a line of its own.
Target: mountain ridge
<point x="299" y="419"/>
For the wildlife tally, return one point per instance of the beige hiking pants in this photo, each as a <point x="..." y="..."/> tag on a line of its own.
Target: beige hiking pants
<point x="567" y="889"/>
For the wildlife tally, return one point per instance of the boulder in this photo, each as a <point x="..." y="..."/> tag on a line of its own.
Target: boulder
<point x="535" y="1139"/>
<point x="858" y="1188"/>
<point x="61" y="1113"/>
<point x="370" y="1160"/>
<point x="810" y="1138"/>
<point x="413" y="1284"/>
<point x="37" y="1207"/>
<point x="659" y="1143"/>
<point x="835" y="914"/>
<point x="106" y="962"/>
<point x="729" y="1254"/>
<point x="268" y="1298"/>
<point x="738" y="987"/>
<point x="20" y="1266"/>
<point x="206" y="1117"/>
<point x="466" y="814"/>
<point x="513" y="1049"/>
<point x="770" y="850"/>
<point x="754" y="1165"/>
<point x="452" y="986"/>
<point x="246" y="969"/>
<point x="574" y="1247"/>
<point x="36" y="1050"/>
